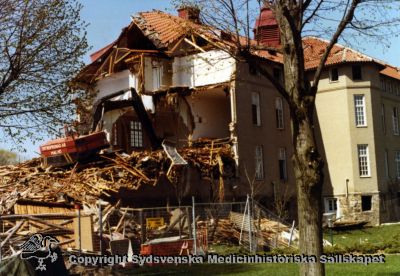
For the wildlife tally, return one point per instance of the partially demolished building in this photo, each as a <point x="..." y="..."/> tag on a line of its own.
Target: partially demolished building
<point x="185" y="118"/>
<point x="192" y="89"/>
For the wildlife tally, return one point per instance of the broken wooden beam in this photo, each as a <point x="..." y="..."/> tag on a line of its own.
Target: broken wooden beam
<point x="144" y="119"/>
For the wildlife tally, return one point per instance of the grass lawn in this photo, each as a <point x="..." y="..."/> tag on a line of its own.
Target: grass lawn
<point x="391" y="267"/>
<point x="371" y="235"/>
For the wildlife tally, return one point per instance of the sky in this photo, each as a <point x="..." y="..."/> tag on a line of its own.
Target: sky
<point x="106" y="19"/>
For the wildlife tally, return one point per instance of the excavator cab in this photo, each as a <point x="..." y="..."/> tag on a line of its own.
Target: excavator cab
<point x="72" y="148"/>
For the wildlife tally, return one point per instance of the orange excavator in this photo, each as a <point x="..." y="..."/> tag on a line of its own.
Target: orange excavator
<point x="73" y="148"/>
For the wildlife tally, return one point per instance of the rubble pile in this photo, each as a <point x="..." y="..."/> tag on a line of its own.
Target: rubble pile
<point x="85" y="183"/>
<point x="234" y="230"/>
<point x="38" y="199"/>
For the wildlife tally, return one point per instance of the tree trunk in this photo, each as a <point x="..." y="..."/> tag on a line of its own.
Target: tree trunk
<point x="307" y="166"/>
<point x="306" y="160"/>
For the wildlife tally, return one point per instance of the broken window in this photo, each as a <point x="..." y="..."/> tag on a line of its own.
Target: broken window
<point x="136" y="135"/>
<point x="157" y="75"/>
<point x="259" y="169"/>
<point x="366" y="203"/>
<point x="279" y="113"/>
<point x="255" y="108"/>
<point x="282" y="164"/>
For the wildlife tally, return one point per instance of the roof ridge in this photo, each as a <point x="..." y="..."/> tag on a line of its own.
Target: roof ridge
<point x="347" y="48"/>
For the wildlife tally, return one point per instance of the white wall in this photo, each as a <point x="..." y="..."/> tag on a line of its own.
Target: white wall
<point x="212" y="67"/>
<point x="212" y="113"/>
<point x="114" y="83"/>
<point x="121" y="81"/>
<point x="109" y="119"/>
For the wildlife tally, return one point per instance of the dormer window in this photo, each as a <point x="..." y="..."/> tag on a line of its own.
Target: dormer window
<point x="334" y="74"/>
<point x="356" y="70"/>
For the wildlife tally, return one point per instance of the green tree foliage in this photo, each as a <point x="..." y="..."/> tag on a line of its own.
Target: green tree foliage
<point x="42" y="43"/>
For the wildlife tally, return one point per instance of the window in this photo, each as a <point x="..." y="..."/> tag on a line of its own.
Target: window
<point x="330" y="205"/>
<point x="157" y="76"/>
<point x="397" y="163"/>
<point x="136" y="137"/>
<point x="255" y="108"/>
<point x="366" y="203"/>
<point x="282" y="164"/>
<point x="356" y="69"/>
<point x="386" y="164"/>
<point x="279" y="113"/>
<point x="259" y="170"/>
<point x="395" y="119"/>
<point x="359" y="107"/>
<point x="334" y="74"/>
<point x="363" y="160"/>
<point x="383" y="119"/>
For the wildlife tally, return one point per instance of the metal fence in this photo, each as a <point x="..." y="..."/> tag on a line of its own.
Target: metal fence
<point x="247" y="224"/>
<point x="163" y="230"/>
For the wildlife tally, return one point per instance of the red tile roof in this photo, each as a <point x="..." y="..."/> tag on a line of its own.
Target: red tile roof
<point x="94" y="56"/>
<point x="164" y="30"/>
<point x="314" y="48"/>
<point x="168" y="28"/>
<point x="391" y="71"/>
<point x="270" y="55"/>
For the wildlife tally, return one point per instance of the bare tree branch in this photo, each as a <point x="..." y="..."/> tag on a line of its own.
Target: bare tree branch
<point x="346" y="20"/>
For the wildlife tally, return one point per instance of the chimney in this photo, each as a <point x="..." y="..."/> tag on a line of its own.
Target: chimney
<point x="266" y="29"/>
<point x="189" y="13"/>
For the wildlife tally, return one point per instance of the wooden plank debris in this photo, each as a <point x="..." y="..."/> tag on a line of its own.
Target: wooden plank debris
<point x="41" y="200"/>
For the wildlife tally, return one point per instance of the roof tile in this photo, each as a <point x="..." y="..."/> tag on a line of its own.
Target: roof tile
<point x="314" y="48"/>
